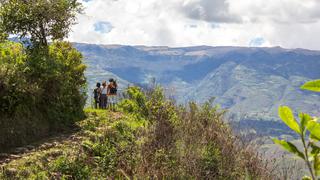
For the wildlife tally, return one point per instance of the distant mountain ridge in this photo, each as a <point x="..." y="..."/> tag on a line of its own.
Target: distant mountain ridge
<point x="251" y="82"/>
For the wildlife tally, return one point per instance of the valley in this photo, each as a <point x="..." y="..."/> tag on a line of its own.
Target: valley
<point x="251" y="83"/>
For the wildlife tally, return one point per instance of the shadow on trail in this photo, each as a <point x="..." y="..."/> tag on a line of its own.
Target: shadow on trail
<point x="52" y="140"/>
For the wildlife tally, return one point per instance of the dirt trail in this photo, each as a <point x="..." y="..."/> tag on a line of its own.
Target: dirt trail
<point x="71" y="136"/>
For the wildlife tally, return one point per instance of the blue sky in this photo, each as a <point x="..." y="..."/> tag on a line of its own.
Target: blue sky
<point x="103" y="27"/>
<point x="286" y="23"/>
<point x="259" y="41"/>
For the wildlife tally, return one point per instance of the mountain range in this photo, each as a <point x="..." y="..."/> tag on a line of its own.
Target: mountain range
<point x="250" y="82"/>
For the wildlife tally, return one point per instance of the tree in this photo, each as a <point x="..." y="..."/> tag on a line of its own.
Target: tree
<point x="42" y="86"/>
<point x="39" y="20"/>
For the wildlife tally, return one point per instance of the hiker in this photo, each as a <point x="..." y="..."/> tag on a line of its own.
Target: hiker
<point x="112" y="93"/>
<point x="104" y="98"/>
<point x="96" y="96"/>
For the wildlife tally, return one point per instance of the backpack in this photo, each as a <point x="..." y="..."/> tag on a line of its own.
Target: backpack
<point x="113" y="90"/>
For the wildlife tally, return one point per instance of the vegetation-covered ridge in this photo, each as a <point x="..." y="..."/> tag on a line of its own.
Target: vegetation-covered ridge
<point x="149" y="137"/>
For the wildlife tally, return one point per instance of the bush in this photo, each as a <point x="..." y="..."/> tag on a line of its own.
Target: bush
<point x="189" y="142"/>
<point x="71" y="168"/>
<point x="39" y="91"/>
<point x="135" y="103"/>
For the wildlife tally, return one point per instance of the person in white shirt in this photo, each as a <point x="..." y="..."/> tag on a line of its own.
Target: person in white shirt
<point x="104" y="97"/>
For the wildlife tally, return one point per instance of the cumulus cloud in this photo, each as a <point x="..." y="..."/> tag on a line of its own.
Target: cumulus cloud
<point x="287" y="23"/>
<point x="280" y="11"/>
<point x="212" y="11"/>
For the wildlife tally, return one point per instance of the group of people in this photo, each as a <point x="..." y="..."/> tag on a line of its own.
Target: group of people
<point x="105" y="96"/>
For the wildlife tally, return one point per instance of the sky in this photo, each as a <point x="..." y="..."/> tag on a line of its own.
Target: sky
<point x="180" y="23"/>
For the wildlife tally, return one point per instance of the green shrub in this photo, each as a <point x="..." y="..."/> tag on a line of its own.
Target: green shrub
<point x="39" y="92"/>
<point x="63" y="84"/>
<point x="67" y="168"/>
<point x="189" y="142"/>
<point x="135" y="103"/>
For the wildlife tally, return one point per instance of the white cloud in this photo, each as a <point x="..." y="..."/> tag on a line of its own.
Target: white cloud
<point x="211" y="11"/>
<point x="279" y="11"/>
<point x="287" y="23"/>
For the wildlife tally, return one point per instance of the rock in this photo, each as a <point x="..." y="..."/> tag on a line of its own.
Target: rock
<point x="20" y="150"/>
<point x="46" y="146"/>
<point x="76" y="138"/>
<point x="10" y="172"/>
<point x="30" y="147"/>
<point x="14" y="156"/>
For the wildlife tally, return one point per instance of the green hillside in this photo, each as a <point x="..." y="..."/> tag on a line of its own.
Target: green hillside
<point x="149" y="137"/>
<point x="46" y="132"/>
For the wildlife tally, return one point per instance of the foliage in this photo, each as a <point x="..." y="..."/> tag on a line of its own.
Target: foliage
<point x="68" y="167"/>
<point x="42" y="87"/>
<point x="135" y="103"/>
<point x="38" y="19"/>
<point x="63" y="82"/>
<point x="39" y="93"/>
<point x="309" y="131"/>
<point x="312" y="85"/>
<point x="12" y="59"/>
<point x="189" y="142"/>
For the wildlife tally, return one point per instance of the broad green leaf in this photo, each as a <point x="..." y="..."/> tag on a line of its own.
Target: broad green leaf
<point x="316" y="164"/>
<point x="304" y="119"/>
<point x="314" y="138"/>
<point x="287" y="117"/>
<point x="289" y="147"/>
<point x="314" y="128"/>
<point x="312" y="86"/>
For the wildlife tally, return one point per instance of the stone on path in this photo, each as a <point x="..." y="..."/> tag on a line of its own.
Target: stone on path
<point x="14" y="156"/>
<point x="20" y="150"/>
<point x="10" y="172"/>
<point x="30" y="147"/>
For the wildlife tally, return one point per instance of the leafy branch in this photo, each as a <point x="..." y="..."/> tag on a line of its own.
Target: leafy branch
<point x="308" y="128"/>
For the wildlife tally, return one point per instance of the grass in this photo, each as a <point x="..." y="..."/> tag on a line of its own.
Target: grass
<point x="62" y="159"/>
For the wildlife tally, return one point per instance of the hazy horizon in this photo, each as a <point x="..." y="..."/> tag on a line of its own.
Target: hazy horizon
<point x="190" y="46"/>
<point x="183" y="23"/>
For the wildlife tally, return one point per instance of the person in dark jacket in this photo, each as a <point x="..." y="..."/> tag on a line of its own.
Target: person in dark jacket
<point x="112" y="94"/>
<point x="96" y="96"/>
